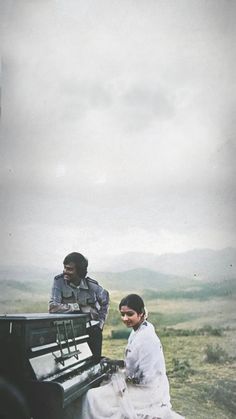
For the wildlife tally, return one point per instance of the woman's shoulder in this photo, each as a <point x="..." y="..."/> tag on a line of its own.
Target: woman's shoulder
<point x="148" y="330"/>
<point x="146" y="339"/>
<point x="148" y="326"/>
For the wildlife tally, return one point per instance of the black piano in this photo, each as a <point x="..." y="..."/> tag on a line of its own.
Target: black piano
<point x="46" y="362"/>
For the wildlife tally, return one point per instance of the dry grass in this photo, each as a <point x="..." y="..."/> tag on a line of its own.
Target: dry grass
<point x="191" y="395"/>
<point x="195" y="395"/>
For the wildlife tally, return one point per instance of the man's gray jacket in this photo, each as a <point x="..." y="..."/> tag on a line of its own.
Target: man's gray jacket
<point x="89" y="295"/>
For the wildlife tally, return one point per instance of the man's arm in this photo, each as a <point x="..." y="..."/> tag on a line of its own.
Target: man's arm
<point x="103" y="300"/>
<point x="55" y="303"/>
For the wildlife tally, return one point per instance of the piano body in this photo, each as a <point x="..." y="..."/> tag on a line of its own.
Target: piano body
<point x="47" y="360"/>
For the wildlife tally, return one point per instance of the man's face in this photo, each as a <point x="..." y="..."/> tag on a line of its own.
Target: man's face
<point x="70" y="273"/>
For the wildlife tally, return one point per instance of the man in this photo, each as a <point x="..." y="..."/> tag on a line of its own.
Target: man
<point x="73" y="291"/>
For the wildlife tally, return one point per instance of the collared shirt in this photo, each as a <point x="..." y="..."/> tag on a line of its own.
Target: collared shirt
<point x="89" y="295"/>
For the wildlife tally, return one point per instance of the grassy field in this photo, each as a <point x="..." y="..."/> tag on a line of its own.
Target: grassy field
<point x="187" y="327"/>
<point x="194" y="388"/>
<point x="199" y="389"/>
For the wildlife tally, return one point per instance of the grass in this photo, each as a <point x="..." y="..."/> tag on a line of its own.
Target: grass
<point x="193" y="393"/>
<point x="199" y="389"/>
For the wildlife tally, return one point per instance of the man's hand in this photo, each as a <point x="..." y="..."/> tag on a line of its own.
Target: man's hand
<point x="74" y="307"/>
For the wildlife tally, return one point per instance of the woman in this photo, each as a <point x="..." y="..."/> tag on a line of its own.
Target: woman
<point x="143" y="390"/>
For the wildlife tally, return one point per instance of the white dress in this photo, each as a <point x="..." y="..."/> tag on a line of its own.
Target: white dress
<point x="141" y="391"/>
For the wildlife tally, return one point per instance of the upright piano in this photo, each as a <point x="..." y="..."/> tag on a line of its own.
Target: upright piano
<point x="46" y="360"/>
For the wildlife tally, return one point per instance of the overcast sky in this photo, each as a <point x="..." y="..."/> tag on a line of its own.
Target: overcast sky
<point x="117" y="128"/>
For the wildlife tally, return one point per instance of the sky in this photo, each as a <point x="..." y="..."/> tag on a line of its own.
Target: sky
<point x="117" y="128"/>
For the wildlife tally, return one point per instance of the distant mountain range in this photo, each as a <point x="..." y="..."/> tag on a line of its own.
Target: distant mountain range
<point x="183" y="271"/>
<point x="26" y="274"/>
<point x="142" y="279"/>
<point x="201" y="264"/>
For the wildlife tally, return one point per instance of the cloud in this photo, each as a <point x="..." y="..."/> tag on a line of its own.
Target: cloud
<point x="117" y="125"/>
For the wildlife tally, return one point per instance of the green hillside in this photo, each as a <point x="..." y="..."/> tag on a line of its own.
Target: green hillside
<point x="142" y="278"/>
<point x="194" y="320"/>
<point x="201" y="290"/>
<point x="151" y="284"/>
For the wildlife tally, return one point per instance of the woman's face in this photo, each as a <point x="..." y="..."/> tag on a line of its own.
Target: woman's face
<point x="130" y="317"/>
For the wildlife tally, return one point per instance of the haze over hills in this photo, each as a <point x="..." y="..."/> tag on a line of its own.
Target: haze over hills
<point x="149" y="270"/>
<point x="195" y="275"/>
<point x="202" y="264"/>
<point x="141" y="278"/>
<point x="25" y="273"/>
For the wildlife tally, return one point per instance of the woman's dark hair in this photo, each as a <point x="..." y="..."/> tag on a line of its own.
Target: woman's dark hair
<point x="81" y="263"/>
<point x="133" y="301"/>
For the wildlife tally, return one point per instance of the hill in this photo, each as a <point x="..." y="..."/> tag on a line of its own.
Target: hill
<point x="197" y="274"/>
<point x="142" y="279"/>
<point x="202" y="264"/>
<point x="154" y="284"/>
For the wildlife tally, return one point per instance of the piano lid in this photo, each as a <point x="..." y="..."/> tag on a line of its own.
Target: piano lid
<point x="38" y="329"/>
<point x="40" y="316"/>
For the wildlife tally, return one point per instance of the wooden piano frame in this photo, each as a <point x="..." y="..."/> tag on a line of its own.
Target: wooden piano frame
<point x="46" y="360"/>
